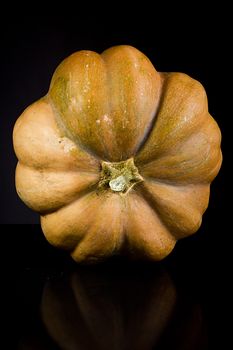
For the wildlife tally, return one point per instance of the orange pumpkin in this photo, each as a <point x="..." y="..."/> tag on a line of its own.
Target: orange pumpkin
<point x="117" y="156"/>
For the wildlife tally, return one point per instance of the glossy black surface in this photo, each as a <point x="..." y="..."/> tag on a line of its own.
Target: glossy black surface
<point x="114" y="305"/>
<point x="110" y="307"/>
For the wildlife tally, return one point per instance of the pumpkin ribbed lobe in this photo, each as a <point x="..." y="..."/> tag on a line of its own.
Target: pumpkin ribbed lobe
<point x="97" y="99"/>
<point x="119" y="176"/>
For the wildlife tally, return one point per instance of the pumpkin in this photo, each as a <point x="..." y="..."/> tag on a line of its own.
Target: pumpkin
<point x="117" y="157"/>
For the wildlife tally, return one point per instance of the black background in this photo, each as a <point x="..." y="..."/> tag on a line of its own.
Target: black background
<point x="196" y="43"/>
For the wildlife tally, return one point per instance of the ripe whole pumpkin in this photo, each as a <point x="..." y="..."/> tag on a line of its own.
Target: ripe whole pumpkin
<point x="117" y="156"/>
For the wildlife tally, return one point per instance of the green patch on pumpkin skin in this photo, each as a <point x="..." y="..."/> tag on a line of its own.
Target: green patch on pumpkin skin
<point x="59" y="94"/>
<point x="119" y="177"/>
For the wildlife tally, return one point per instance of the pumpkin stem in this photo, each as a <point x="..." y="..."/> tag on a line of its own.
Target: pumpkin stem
<point x="119" y="176"/>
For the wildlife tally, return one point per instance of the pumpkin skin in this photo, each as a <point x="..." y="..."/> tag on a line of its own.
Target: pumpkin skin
<point x="117" y="156"/>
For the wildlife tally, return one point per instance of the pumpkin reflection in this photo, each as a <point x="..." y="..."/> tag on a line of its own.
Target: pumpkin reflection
<point x="108" y="309"/>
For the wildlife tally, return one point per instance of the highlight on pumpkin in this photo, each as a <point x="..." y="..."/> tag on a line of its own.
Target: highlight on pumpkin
<point x="117" y="157"/>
